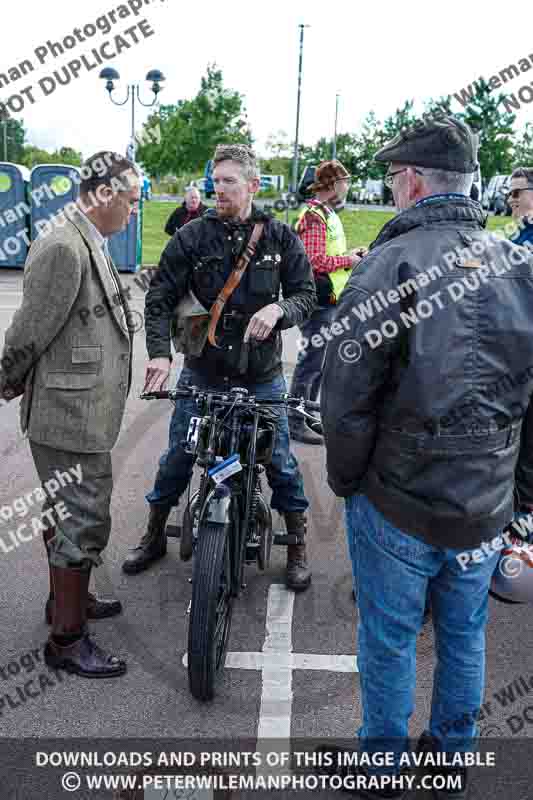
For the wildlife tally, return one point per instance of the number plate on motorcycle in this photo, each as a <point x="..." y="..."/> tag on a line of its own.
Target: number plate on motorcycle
<point x="228" y="467"/>
<point x="194" y="430"/>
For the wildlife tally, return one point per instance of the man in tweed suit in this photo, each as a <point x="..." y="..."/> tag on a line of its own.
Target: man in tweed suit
<point x="74" y="322"/>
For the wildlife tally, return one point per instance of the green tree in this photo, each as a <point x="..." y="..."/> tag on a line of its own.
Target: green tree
<point x="190" y="130"/>
<point x="523" y="148"/>
<point x="67" y="155"/>
<point x="484" y="114"/>
<point x="33" y="156"/>
<point x="12" y="135"/>
<point x="371" y="139"/>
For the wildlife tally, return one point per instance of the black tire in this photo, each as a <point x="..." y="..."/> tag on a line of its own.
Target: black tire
<point x="211" y="609"/>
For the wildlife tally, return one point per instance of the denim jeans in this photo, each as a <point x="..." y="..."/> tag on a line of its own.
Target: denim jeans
<point x="307" y="374"/>
<point x="394" y="572"/>
<point x="175" y="465"/>
<point x="351" y="511"/>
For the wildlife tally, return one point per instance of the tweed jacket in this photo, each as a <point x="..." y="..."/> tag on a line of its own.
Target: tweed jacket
<point x="75" y="326"/>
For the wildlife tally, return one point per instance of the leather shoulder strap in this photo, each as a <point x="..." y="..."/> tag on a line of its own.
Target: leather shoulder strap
<point x="232" y="282"/>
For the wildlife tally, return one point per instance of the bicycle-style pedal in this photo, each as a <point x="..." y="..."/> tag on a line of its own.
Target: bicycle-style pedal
<point x="173" y="531"/>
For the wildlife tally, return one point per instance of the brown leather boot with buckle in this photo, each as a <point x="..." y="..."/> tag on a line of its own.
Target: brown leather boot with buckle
<point x="298" y="573"/>
<point x="97" y="608"/>
<point x="69" y="646"/>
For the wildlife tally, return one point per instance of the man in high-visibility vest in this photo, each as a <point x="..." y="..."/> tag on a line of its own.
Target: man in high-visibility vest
<point x="322" y="234"/>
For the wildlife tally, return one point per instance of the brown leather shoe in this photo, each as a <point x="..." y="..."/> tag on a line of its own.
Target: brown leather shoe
<point x="82" y="656"/>
<point x="97" y="608"/>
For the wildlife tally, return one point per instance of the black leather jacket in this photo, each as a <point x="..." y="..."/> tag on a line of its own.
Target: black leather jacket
<point x="201" y="256"/>
<point x="426" y="395"/>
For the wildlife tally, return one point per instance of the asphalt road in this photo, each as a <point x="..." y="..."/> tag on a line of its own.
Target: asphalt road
<point x="264" y="691"/>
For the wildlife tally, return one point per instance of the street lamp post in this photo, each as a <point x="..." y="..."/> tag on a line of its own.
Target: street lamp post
<point x="295" y="157"/>
<point x="155" y="76"/>
<point x="334" y="148"/>
<point x="4" y="117"/>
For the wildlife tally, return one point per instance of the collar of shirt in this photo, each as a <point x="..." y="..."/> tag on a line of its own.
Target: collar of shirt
<point x="433" y="198"/>
<point x="101" y="240"/>
<point x="315" y="202"/>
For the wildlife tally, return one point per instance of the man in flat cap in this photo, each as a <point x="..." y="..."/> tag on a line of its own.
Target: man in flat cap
<point x="439" y="313"/>
<point x="322" y="234"/>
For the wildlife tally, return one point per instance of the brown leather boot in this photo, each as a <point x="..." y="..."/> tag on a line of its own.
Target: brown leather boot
<point x="69" y="646"/>
<point x="97" y="608"/>
<point x="298" y="573"/>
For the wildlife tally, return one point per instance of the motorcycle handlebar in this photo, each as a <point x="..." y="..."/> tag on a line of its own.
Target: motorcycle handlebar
<point x="187" y="392"/>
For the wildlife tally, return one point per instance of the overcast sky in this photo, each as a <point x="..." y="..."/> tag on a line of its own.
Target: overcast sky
<point x="375" y="55"/>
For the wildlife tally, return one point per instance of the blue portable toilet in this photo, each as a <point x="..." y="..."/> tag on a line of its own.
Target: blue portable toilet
<point x="125" y="247"/>
<point x="52" y="187"/>
<point x="14" y="214"/>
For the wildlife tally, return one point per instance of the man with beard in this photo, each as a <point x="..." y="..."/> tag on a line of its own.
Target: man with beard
<point x="321" y="231"/>
<point x="201" y="256"/>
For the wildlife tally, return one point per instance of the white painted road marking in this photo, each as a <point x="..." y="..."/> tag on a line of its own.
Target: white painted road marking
<point x="277" y="661"/>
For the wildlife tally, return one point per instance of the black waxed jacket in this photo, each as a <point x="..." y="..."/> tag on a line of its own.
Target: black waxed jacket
<point x="201" y="256"/>
<point x="426" y="391"/>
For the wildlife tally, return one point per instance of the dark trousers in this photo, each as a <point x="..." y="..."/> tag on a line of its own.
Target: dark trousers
<point x="307" y="375"/>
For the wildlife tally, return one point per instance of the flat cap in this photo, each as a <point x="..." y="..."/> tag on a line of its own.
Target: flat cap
<point x="439" y="141"/>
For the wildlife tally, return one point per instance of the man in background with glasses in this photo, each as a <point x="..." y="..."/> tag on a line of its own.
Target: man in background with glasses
<point x="520" y="198"/>
<point x="451" y="314"/>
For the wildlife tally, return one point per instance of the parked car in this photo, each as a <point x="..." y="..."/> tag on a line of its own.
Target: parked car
<point x="209" y="186"/>
<point x="477" y="186"/>
<point x="372" y="192"/>
<point x="492" y="190"/>
<point x="500" y="204"/>
<point x="199" y="184"/>
<point x="308" y="177"/>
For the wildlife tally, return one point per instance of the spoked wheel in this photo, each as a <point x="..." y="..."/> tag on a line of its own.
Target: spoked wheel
<point x="211" y="609"/>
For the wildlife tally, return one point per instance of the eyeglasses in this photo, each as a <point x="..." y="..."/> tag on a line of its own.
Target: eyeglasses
<point x="389" y="179"/>
<point x="514" y="194"/>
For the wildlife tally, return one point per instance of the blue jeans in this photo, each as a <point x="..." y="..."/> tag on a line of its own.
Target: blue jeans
<point x="352" y="515"/>
<point x="175" y="465"/>
<point x="307" y="374"/>
<point x="394" y="572"/>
